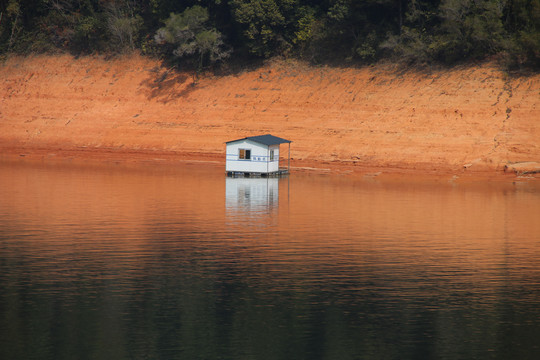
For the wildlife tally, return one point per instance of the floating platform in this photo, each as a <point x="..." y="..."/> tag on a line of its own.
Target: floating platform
<point x="243" y="174"/>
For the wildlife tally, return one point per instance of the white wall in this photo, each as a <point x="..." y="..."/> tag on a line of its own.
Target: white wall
<point x="273" y="163"/>
<point x="260" y="157"/>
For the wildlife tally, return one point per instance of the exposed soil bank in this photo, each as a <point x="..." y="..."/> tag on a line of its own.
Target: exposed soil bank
<point x="470" y="120"/>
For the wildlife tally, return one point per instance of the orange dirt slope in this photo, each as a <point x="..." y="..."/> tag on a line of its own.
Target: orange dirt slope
<point x="467" y="119"/>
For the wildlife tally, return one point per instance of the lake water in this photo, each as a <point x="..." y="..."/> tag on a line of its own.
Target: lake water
<point x="180" y="262"/>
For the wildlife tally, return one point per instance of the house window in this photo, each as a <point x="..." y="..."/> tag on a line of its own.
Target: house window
<point x="271" y="155"/>
<point x="244" y="154"/>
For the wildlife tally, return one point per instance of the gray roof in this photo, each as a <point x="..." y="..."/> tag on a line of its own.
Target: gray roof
<point x="264" y="139"/>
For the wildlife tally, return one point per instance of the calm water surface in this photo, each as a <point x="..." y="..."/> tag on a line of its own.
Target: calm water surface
<point x="148" y="262"/>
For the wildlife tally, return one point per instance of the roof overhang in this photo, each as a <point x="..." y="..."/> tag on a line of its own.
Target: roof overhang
<point x="267" y="140"/>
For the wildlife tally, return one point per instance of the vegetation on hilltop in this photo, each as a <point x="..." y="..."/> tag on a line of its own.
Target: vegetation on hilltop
<point x="207" y="31"/>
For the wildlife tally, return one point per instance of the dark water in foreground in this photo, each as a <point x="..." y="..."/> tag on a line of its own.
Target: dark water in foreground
<point x="118" y="262"/>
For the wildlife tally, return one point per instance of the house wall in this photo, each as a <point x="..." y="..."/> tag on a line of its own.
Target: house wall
<point x="274" y="163"/>
<point x="260" y="157"/>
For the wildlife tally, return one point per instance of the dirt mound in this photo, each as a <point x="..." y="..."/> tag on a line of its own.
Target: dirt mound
<point x="464" y="119"/>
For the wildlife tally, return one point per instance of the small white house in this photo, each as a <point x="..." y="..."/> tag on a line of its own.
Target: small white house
<point x="255" y="155"/>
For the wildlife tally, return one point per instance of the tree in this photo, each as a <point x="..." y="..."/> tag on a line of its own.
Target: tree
<point x="305" y="27"/>
<point x="412" y="42"/>
<point x="469" y="29"/>
<point x="262" y="23"/>
<point x="353" y="29"/>
<point x="188" y="35"/>
<point x="76" y="25"/>
<point x="13" y="13"/>
<point x="123" y="24"/>
<point x="523" y="22"/>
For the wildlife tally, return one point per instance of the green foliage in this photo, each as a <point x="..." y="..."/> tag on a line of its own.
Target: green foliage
<point x="414" y="31"/>
<point x="13" y="19"/>
<point x="87" y="34"/>
<point x="188" y="35"/>
<point x="305" y="25"/>
<point x="469" y="29"/>
<point x="367" y="49"/>
<point x="523" y="23"/>
<point x="455" y="31"/>
<point x="123" y="25"/>
<point x="261" y="22"/>
<point x="411" y="46"/>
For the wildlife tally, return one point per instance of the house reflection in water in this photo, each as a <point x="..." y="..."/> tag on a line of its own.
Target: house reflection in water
<point x="251" y="199"/>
